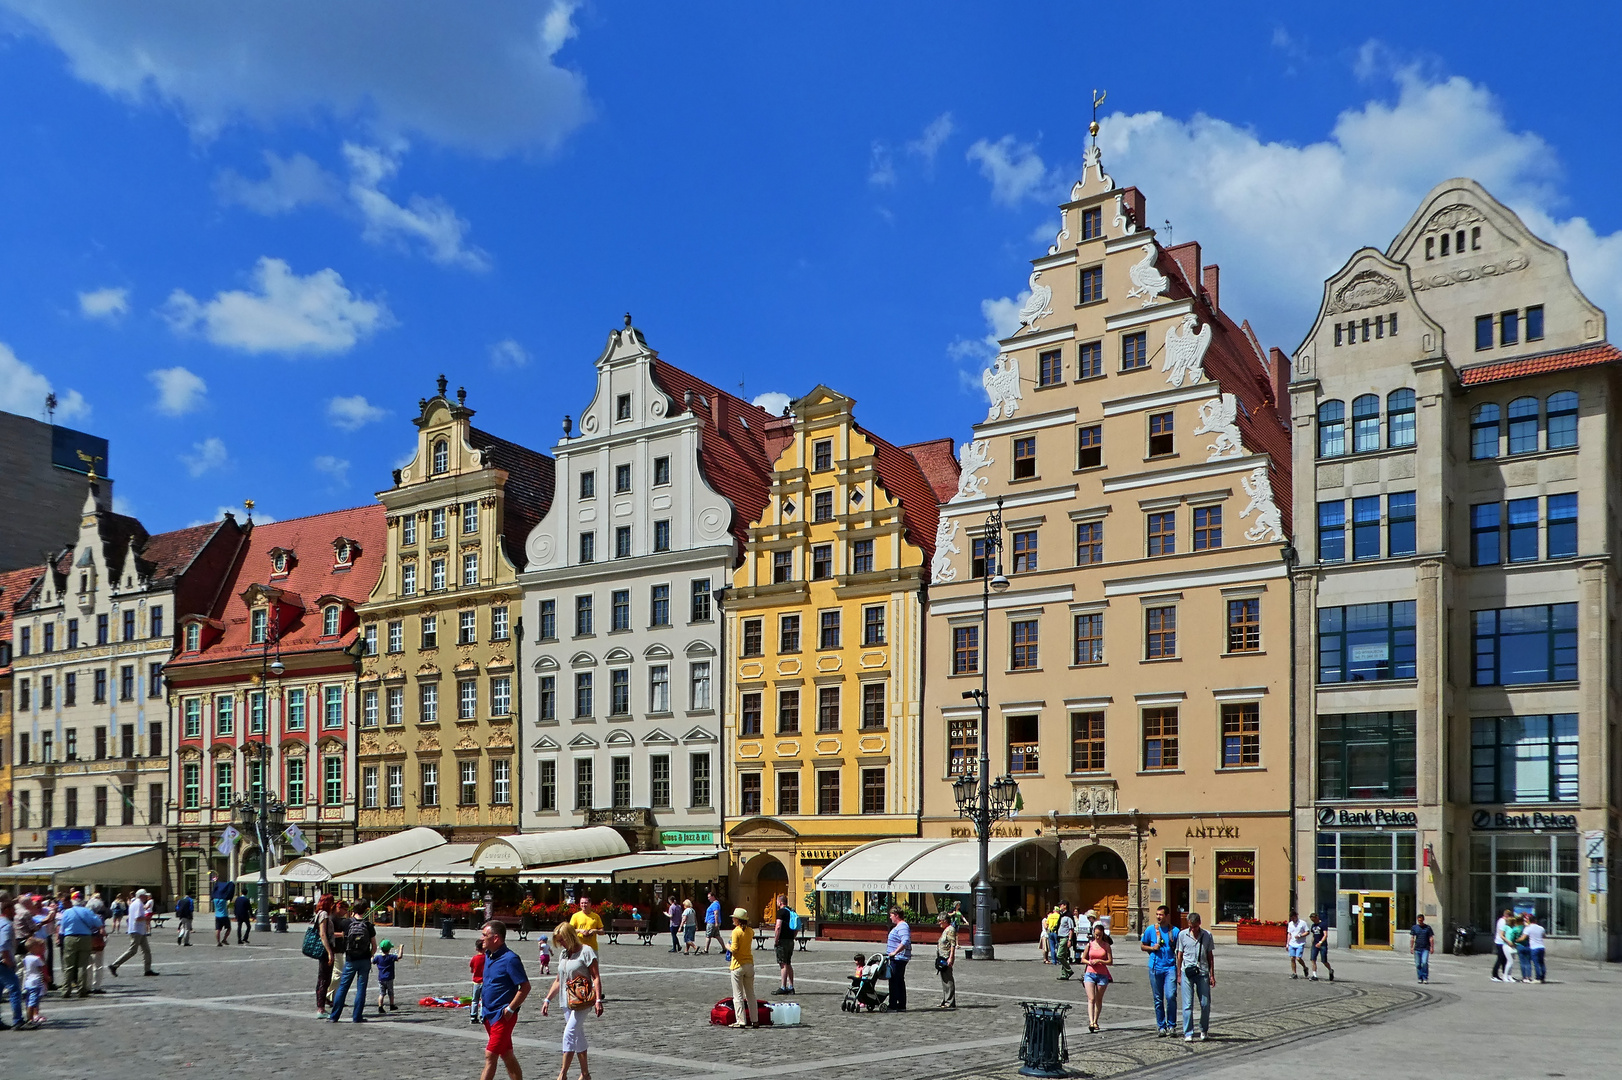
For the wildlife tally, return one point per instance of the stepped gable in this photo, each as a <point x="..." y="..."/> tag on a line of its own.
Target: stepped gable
<point x="732" y="444"/>
<point x="531" y="476"/>
<point x="1540" y="364"/>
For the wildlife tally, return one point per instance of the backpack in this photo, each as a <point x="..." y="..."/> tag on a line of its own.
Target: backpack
<point x="793" y="920"/>
<point x="357" y="939"/>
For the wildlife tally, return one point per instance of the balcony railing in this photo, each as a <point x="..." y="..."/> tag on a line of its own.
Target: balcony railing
<point x="637" y="816"/>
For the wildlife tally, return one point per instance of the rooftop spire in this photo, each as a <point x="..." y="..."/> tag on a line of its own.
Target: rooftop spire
<point x="1092" y="128"/>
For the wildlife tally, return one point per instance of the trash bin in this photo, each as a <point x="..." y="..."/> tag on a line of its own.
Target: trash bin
<point x="1042" y="1048"/>
<point x="278" y="923"/>
<point x="447" y="928"/>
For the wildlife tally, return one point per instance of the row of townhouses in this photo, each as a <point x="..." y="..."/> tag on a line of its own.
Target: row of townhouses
<point x="1333" y="629"/>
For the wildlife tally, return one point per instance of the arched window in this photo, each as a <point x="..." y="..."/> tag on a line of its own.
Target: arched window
<point x="329" y="621"/>
<point x="1562" y="420"/>
<point x="1331" y="429"/>
<point x="1366" y="423"/>
<point x="1523" y="425"/>
<point x="1399" y="418"/>
<point x="1484" y="432"/>
<point x="442" y="456"/>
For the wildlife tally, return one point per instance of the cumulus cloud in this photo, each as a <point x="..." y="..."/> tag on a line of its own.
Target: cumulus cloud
<point x="934" y="136"/>
<point x="773" y="402"/>
<point x="124" y="506"/>
<point x="283" y="313"/>
<point x="206" y="456"/>
<point x="179" y="391"/>
<point x="428" y="222"/>
<point x="881" y="167"/>
<point x="108" y="304"/>
<point x="335" y="467"/>
<point x="507" y="353"/>
<point x="353" y="413"/>
<point x="23" y="391"/>
<point x="487" y="81"/>
<point x="974" y="355"/>
<point x="289" y="183"/>
<point x="1014" y="168"/>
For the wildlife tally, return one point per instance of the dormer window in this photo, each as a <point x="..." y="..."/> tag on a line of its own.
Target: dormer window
<point x="194" y="637"/>
<point x="329" y="621"/>
<point x="258" y="623"/>
<point x="281" y="560"/>
<point x="442" y="456"/>
<point x="343" y="551"/>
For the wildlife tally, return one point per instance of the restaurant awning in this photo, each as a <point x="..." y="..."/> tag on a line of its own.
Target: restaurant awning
<point x="445" y="863"/>
<point x="637" y="868"/>
<point x="913" y="864"/>
<point x="520" y="852"/>
<point x="326" y="865"/>
<point x="93" y="864"/>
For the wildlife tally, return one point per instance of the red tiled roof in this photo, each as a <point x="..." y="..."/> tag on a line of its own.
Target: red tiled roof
<point x="939" y="462"/>
<point x="14" y="586"/>
<point x="902" y="475"/>
<point x="731" y="446"/>
<point x="312" y="574"/>
<point x="1541" y="364"/>
<point x="167" y="555"/>
<point x="528" y="491"/>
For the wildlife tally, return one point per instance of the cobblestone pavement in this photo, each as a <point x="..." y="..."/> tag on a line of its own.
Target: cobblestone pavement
<point x="250" y="1011"/>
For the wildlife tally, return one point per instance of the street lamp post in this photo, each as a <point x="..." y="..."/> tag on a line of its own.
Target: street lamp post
<point x="266" y="814"/>
<point x="979" y="799"/>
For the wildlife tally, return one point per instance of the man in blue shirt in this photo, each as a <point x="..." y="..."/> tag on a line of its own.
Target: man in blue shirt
<point x="1160" y="942"/>
<point x="712" y="928"/>
<point x="898" y="947"/>
<point x="505" y="988"/>
<point x="77" y="924"/>
<point x="1421" y="940"/>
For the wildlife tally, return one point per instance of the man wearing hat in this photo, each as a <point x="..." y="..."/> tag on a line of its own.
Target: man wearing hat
<point x="78" y="925"/>
<point x="140" y="926"/>
<point x="742" y="970"/>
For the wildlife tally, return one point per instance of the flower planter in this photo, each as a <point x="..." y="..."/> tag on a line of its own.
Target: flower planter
<point x="1259" y="935"/>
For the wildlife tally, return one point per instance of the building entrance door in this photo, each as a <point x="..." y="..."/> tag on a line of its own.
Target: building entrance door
<point x="1373" y="918"/>
<point x="1103" y="887"/>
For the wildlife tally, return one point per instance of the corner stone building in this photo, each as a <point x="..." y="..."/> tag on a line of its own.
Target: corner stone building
<point x="1456" y="498"/>
<point x="439" y="629"/>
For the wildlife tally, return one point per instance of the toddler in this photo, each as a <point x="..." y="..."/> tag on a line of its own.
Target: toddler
<point x="861" y="963"/>
<point x="546" y="955"/>
<point x="384" y="961"/>
<point x="476" y="965"/>
<point x="34" y="980"/>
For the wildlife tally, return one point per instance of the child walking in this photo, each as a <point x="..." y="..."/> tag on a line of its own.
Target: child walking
<point x="476" y="965"/>
<point x="546" y="955"/>
<point x="34" y="980"/>
<point x="384" y="962"/>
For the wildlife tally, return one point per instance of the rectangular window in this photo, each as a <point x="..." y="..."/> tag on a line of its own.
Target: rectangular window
<point x="828" y="791"/>
<point x="99" y="687"/>
<point x="468" y="786"/>
<point x="622" y="542"/>
<point x="1366" y="755"/>
<point x="828" y="708"/>
<point x="1089" y="638"/>
<point x="1483" y="332"/>
<point x="470" y="517"/>
<point x="1523" y="759"/>
<point x="1207" y="528"/>
<point x="368" y="708"/>
<point x="396" y="636"/>
<point x="1400" y="538"/>
<point x="699" y="686"/>
<point x="467" y="700"/>
<point x="873" y="791"/>
<point x="129" y="625"/>
<point x="1092" y="223"/>
<point x="1090" y="360"/>
<point x="873" y="704"/>
<point x="70" y="690"/>
<point x="1024" y="638"/>
<point x="962" y="746"/>
<point x="828" y="630"/>
<point x="1485" y="537"/>
<point x="1534" y="323"/>
<point x="1092" y="284"/>
<point x="1523" y="645"/>
<point x="156" y="625"/>
<point x="498" y="624"/>
<point x="619" y="692"/>
<point x="1244" y="625"/>
<point x="1087" y="742"/>
<point x="1366" y="642"/>
<point x="588" y="547"/>
<point x="788" y="633"/>
<point x="1090" y="446"/>
<point x="619" y="608"/>
<point x="549" y="620"/>
<point x="71" y="809"/>
<point x="1162" y="438"/>
<point x="661" y="471"/>
<point x="822" y="562"/>
<point x="295" y="709"/>
<point x="588" y="484"/>
<point x="659" y="606"/>
<point x="1509" y="328"/>
<point x="749" y="793"/>
<point x="470" y="569"/>
<point x="1160" y="632"/>
<point x="749" y="713"/>
<point x="861" y="557"/>
<point x="548" y="697"/>
<point x="1332" y="531"/>
<point x="965" y="649"/>
<point x="873" y="625"/>
<point x="395" y="775"/>
<point x="701" y="600"/>
<point x="582" y="616"/>
<point x="501" y="695"/>
<point x="408" y="529"/>
<point x="547" y="787"/>
<point x="788" y="712"/>
<point x="1024" y="745"/>
<point x="501" y="790"/>
<point x="1241" y="735"/>
<point x="73" y="624"/>
<point x="436" y="520"/>
<point x="430" y="631"/>
<point x="428" y="703"/>
<point x="582" y="693"/>
<point x="369" y="636"/>
<point x="436" y="575"/>
<point x="788" y="792"/>
<point x="1050" y="368"/>
<point x="822" y="455"/>
<point x="256" y="712"/>
<point x="661" y="536"/>
<point x="822" y="506"/>
<point x="396" y="699"/>
<point x="47" y="694"/>
<point x="1561" y="526"/>
<point x="1089" y="542"/>
<point x="332" y="788"/>
<point x="126" y="683"/>
<point x="1134" y="351"/>
<point x="190" y="788"/>
<point x="1366" y="528"/>
<point x="1159" y="739"/>
<point x="1523" y="530"/>
<point x="1162" y="533"/>
<point x="224" y="790"/>
<point x="659" y="688"/>
<point x="1025" y="458"/>
<point x="430" y="783"/>
<point x="753" y="635"/>
<point x="699" y="780"/>
<point x="224" y="715"/>
<point x="622" y="479"/>
<point x="155" y="737"/>
<point x="101" y="630"/>
<point x="782" y="566"/>
<point x="659" y="781"/>
<point x="333" y="706"/>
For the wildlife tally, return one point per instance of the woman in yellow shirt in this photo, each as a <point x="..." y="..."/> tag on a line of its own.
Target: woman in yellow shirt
<point x="742" y="970"/>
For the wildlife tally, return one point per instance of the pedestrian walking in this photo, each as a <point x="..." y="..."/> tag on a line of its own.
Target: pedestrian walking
<point x="741" y="970"/>
<point x="783" y="946"/>
<point x="1318" y="942"/>
<point x="244" y="914"/>
<point x="360" y="943"/>
<point x="673" y="917"/>
<point x="120" y="910"/>
<point x="1160" y="942"/>
<point x="1421" y="940"/>
<point x="1064" y="939"/>
<point x="1534" y="943"/>
<point x="140" y="927"/>
<point x="544" y="954"/>
<point x="1500" y="961"/>
<point x="9" y="982"/>
<point x="581" y="980"/>
<point x="1296" y="936"/>
<point x="505" y="987"/>
<point x="384" y="962"/>
<point x="898" y="948"/>
<point x="79" y="925"/>
<point x="1196" y="959"/>
<point x="945" y="957"/>
<point x="588" y="924"/>
<point x="98" y="945"/>
<point x="323" y="921"/>
<point x="34" y="979"/>
<point x="1048" y="941"/>
<point x="689" y="928"/>
<point x="475" y="967"/>
<point x="185" y="908"/>
<point x="1097" y="955"/>
<point x="712" y="927"/>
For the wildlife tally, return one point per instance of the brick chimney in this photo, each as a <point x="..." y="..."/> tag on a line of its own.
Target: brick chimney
<point x="1210" y="277"/>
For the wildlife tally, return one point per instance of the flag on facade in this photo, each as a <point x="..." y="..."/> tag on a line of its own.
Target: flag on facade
<point x="295" y="836"/>
<point x="228" y="841"/>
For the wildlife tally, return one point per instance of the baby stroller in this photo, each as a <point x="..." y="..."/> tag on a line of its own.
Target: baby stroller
<point x="864" y="992"/>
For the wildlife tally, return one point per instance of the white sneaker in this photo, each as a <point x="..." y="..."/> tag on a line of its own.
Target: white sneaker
<point x="1189" y="1037"/>
<point x="1200" y="1036"/>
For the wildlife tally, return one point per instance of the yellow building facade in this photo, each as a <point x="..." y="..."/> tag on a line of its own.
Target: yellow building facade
<point x="824" y="634"/>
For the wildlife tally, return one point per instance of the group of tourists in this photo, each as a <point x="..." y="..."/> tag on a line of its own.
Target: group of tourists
<point x="1518" y="941"/>
<point x="1182" y="962"/>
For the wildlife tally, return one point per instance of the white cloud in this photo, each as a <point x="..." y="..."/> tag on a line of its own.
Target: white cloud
<point x="974" y="355"/>
<point x="124" y="506"/>
<point x="773" y="402"/>
<point x="430" y="222"/>
<point x="179" y="391"/>
<point x="1014" y="168"/>
<point x="23" y="391"/>
<point x="240" y="513"/>
<point x="487" y="80"/>
<point x="284" y="313"/>
<point x="206" y="456"/>
<point x="507" y="353"/>
<point x="933" y="138"/>
<point x="335" y="467"/>
<point x="881" y="165"/>
<point x="109" y="304"/>
<point x="289" y="183"/>
<point x="353" y="413"/>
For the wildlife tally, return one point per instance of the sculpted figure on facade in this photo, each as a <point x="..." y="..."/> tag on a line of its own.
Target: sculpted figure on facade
<point x="1269" y="525"/>
<point x="941" y="568"/>
<point x="1147" y="282"/>
<point x="1185" y="352"/>
<point x="1220" y="417"/>
<point x="972" y="456"/>
<point x="1001" y="381"/>
<point x="1037" y="306"/>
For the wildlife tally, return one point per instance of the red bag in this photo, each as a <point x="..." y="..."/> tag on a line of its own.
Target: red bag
<point x="724" y="1014"/>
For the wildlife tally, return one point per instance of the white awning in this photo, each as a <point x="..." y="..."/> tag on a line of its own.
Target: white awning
<point x="512" y="854"/>
<point x="916" y="865"/>
<point x="638" y="867"/>
<point x="273" y="876"/>
<point x="330" y="864"/>
<point x="94" y="864"/>
<point x="443" y="863"/>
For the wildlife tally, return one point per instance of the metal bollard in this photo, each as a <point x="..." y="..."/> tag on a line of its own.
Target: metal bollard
<point x="447" y="928"/>
<point x="1042" y="1049"/>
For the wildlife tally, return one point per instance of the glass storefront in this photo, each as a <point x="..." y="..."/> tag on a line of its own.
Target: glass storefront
<point x="1526" y="872"/>
<point x="1235" y="886"/>
<point x="1368" y="861"/>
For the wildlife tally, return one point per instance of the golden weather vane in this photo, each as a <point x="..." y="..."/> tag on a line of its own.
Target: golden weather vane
<point x="1098" y="99"/>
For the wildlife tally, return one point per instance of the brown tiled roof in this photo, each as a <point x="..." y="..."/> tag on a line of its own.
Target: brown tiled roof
<point x="15" y="585"/>
<point x="166" y="555"/>
<point x="902" y="475"/>
<point x="530" y="478"/>
<point x="731" y="445"/>
<point x="1540" y="364"/>
<point x="939" y="462"/>
<point x="118" y="532"/>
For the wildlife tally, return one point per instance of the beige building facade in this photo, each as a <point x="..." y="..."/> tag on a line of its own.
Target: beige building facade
<point x="1456" y="495"/>
<point x="1138" y="661"/>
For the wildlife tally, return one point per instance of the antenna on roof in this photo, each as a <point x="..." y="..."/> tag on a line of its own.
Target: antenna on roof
<point x="50" y="408"/>
<point x="1169" y="241"/>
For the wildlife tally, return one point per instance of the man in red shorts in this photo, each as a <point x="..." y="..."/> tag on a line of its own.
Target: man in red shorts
<point x="505" y="988"/>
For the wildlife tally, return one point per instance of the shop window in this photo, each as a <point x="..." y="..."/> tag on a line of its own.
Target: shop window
<point x="1538" y="873"/>
<point x="1366" y="755"/>
<point x="1523" y="759"/>
<point x="1368" y="861"/>
<point x="1235" y="886"/>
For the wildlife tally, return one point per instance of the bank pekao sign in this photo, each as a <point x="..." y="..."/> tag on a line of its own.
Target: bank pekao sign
<point x="1329" y="815"/>
<point x="1498" y="821"/>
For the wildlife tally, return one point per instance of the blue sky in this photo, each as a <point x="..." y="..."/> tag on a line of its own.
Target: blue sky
<point x="241" y="242"/>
